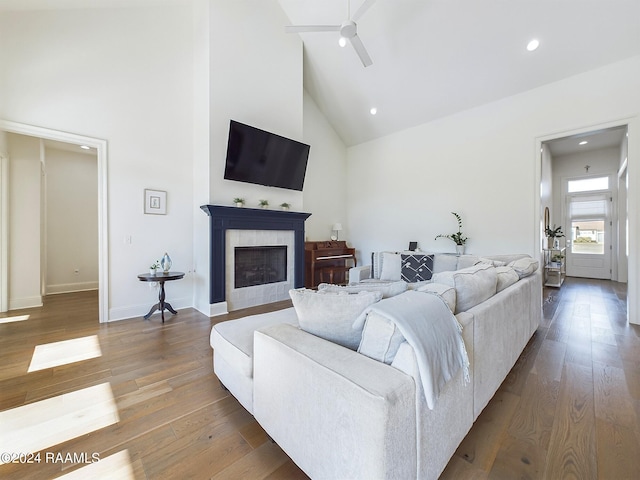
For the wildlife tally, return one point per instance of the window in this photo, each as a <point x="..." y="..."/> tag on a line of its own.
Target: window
<point x="588" y="184"/>
<point x="587" y="237"/>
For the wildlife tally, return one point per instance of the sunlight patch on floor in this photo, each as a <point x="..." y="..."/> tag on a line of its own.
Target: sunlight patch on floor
<point x="116" y="467"/>
<point x="15" y="318"/>
<point x="41" y="425"/>
<point x="62" y="353"/>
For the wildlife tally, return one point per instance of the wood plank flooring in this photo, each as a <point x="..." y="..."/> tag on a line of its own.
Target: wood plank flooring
<point x="570" y="408"/>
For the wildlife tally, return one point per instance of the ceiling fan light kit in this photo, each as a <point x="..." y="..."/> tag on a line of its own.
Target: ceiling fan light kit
<point x="348" y="31"/>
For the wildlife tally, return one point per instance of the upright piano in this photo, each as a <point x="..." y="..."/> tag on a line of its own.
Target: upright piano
<point x="327" y="262"/>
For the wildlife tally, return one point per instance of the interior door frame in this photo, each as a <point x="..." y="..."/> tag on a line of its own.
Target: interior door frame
<point x="103" y="228"/>
<point x="633" y="197"/>
<point x="4" y="232"/>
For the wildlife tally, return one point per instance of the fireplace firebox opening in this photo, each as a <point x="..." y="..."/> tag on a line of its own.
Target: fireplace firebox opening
<point x="260" y="265"/>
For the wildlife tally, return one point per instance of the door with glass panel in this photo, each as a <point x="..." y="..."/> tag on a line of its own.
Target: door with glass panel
<point x="588" y="231"/>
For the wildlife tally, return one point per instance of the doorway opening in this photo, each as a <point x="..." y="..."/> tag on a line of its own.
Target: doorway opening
<point x="100" y="147"/>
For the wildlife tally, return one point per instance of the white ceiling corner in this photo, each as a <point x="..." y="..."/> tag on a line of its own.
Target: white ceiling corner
<point x="433" y="58"/>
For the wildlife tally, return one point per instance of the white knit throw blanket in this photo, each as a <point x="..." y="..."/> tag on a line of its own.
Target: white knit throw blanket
<point x="426" y="322"/>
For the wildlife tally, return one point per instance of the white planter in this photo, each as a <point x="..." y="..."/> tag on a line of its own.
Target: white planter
<point x="460" y="249"/>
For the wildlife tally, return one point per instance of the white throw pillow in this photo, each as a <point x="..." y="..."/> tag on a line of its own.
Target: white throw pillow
<point x="446" y="292"/>
<point x="473" y="284"/>
<point x="387" y="289"/>
<point x="507" y="276"/>
<point x="332" y="315"/>
<point x="391" y="266"/>
<point x="380" y="338"/>
<point x="524" y="266"/>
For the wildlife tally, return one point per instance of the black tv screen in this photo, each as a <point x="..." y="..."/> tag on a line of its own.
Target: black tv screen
<point x="264" y="158"/>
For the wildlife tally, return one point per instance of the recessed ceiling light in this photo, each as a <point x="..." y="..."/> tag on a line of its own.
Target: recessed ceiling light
<point x="373" y="111"/>
<point x="584" y="142"/>
<point x="533" y="44"/>
<point x="85" y="147"/>
<point x="342" y="42"/>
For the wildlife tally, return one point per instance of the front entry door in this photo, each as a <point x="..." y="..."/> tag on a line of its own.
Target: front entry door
<point x="589" y="243"/>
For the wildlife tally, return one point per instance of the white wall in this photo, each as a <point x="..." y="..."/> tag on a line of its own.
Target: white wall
<point x="125" y="75"/>
<point x="160" y="85"/>
<point x="602" y="162"/>
<point x="485" y="164"/>
<point x="256" y="78"/>
<point x="325" y="188"/>
<point x="24" y="222"/>
<point x="71" y="181"/>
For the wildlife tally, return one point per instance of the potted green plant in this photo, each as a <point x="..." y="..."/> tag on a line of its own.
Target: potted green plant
<point x="239" y="202"/>
<point x="154" y="267"/>
<point x="285" y="206"/>
<point x="264" y="203"/>
<point x="552" y="234"/>
<point x="458" y="238"/>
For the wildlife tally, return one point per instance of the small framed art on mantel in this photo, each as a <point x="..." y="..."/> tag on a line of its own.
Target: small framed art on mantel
<point x="155" y="202"/>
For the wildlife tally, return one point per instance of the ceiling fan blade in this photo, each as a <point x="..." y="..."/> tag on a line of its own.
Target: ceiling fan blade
<point x="311" y="28"/>
<point x="361" y="51"/>
<point x="363" y="8"/>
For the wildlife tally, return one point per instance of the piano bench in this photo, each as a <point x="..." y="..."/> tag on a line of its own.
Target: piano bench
<point x="339" y="273"/>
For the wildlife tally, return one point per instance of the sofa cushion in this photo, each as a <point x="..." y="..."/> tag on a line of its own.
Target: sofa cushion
<point x="446" y="292"/>
<point x="332" y="315"/>
<point x="507" y="276"/>
<point x="466" y="261"/>
<point x="416" y="267"/>
<point x="524" y="266"/>
<point x="233" y="339"/>
<point x="473" y="284"/>
<point x="387" y="289"/>
<point x="444" y="262"/>
<point x="380" y="338"/>
<point x="390" y="266"/>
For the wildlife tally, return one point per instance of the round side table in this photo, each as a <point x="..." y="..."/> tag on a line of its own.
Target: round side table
<point x="160" y="277"/>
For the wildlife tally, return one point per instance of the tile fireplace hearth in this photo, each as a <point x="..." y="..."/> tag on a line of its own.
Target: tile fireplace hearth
<point x="223" y="219"/>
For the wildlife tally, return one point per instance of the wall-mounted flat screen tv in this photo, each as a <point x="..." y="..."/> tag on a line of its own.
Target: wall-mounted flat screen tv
<point x="264" y="158"/>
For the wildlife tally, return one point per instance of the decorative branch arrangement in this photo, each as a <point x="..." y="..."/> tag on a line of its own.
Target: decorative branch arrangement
<point x="457" y="237"/>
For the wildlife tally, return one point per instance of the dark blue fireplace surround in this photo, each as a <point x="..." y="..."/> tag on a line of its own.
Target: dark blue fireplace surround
<point x="222" y="218"/>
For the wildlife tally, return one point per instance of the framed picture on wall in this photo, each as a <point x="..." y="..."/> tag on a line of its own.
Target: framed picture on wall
<point x="155" y="202"/>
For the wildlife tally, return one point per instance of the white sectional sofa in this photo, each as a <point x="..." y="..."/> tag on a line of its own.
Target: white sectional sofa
<point x="341" y="413"/>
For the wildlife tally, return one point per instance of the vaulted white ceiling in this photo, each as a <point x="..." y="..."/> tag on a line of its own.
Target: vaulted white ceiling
<point x="433" y="58"/>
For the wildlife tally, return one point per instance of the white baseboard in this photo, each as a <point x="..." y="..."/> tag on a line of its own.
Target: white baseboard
<point x="71" y="287"/>
<point x="216" y="309"/>
<point x="26" y="302"/>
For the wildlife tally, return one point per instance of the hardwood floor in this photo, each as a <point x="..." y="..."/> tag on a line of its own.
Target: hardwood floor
<point x="570" y="408"/>
<point x="175" y="421"/>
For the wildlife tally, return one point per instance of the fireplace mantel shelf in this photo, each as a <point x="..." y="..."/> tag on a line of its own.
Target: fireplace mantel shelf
<point x="223" y="218"/>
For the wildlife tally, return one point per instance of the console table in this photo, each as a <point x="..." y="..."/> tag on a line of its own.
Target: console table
<point x="160" y="277"/>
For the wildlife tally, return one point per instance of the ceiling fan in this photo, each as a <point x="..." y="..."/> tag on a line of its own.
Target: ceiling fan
<point x="348" y="30"/>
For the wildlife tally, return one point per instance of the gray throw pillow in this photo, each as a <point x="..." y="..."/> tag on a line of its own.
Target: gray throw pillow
<point x="332" y="315"/>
